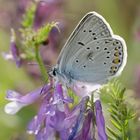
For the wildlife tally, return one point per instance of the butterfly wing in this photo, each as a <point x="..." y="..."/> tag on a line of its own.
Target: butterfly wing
<point x="91" y="28"/>
<point x="98" y="60"/>
<point x="92" y="54"/>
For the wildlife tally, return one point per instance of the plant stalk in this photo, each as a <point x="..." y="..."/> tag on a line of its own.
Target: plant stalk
<point x="41" y="64"/>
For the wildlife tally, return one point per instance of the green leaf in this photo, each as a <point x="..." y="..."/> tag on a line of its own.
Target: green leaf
<point x="110" y="137"/>
<point x="113" y="133"/>
<point x="114" y="106"/>
<point x="116" y="120"/>
<point x="117" y="125"/>
<point x="112" y="111"/>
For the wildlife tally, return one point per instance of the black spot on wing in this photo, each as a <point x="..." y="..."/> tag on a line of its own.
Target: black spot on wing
<point x="81" y="43"/>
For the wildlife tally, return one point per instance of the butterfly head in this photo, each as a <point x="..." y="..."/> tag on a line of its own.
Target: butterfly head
<point x="53" y="72"/>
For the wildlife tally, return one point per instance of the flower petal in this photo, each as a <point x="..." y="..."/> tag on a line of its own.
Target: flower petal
<point x="83" y="89"/>
<point x="28" y="98"/>
<point x="86" y="130"/>
<point x="57" y="119"/>
<point x="14" y="49"/>
<point x="79" y="119"/>
<point x="13" y="107"/>
<point x="76" y="126"/>
<point x="72" y="116"/>
<point x="7" y="56"/>
<point x="12" y="95"/>
<point x="36" y="123"/>
<point x="100" y="122"/>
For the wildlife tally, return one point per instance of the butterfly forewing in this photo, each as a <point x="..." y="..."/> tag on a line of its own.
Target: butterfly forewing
<point x="91" y="28"/>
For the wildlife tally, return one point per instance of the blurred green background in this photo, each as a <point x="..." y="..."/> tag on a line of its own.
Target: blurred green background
<point x="123" y="17"/>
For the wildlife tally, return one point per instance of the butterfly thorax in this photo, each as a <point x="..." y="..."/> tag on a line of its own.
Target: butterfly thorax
<point x="65" y="79"/>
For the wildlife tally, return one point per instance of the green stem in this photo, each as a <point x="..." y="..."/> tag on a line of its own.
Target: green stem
<point x="41" y="64"/>
<point x="123" y="133"/>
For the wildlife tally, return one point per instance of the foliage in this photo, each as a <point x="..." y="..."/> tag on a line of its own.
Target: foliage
<point x="121" y="113"/>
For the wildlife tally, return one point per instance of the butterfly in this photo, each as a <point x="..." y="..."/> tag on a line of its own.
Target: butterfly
<point x="92" y="54"/>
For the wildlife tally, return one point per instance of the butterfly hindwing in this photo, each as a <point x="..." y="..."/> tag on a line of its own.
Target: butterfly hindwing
<point x="98" y="60"/>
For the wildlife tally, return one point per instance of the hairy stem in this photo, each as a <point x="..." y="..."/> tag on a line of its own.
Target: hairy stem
<point x="41" y="64"/>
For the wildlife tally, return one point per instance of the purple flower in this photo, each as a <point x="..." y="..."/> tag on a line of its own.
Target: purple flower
<point x="100" y="122"/>
<point x="19" y="101"/>
<point x="56" y="117"/>
<point x="14" y="52"/>
<point x="87" y="132"/>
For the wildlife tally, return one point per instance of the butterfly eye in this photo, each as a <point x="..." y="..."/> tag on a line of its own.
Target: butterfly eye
<point x="90" y="31"/>
<point x="54" y="72"/>
<point x="95" y="38"/>
<point x="93" y="33"/>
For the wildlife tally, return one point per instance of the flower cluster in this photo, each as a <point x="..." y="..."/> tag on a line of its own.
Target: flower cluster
<point x="55" y="117"/>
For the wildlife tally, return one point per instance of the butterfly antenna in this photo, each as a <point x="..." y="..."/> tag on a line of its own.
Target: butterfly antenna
<point x="48" y="67"/>
<point x="32" y="63"/>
